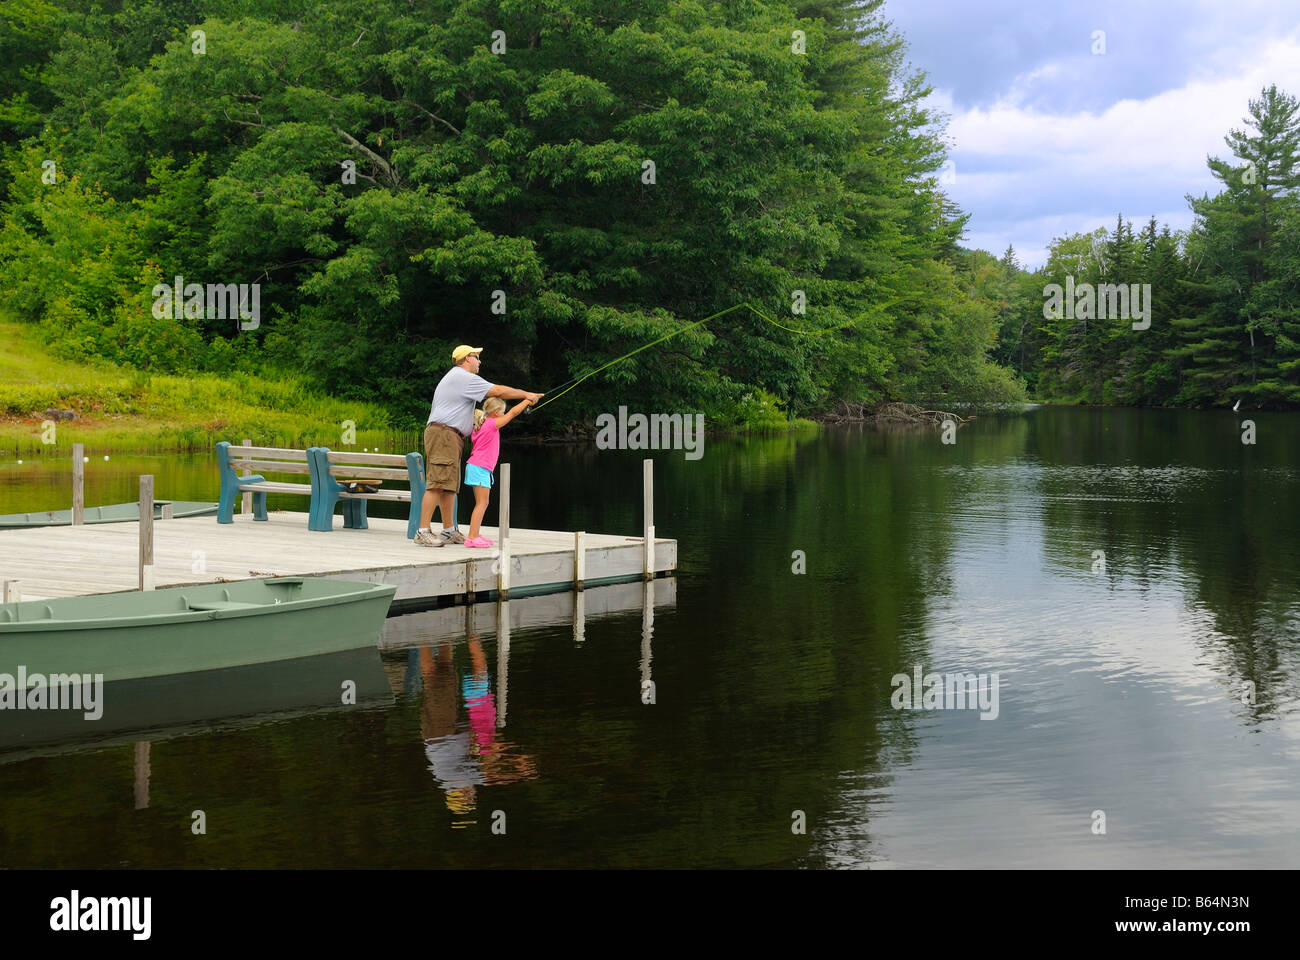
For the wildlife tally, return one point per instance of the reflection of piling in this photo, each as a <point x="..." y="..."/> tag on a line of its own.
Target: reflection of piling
<point x="503" y="658"/>
<point x="141" y="774"/>
<point x="146" y="532"/>
<point x="648" y="477"/>
<point x="78" y="484"/>
<point x="647" y="631"/>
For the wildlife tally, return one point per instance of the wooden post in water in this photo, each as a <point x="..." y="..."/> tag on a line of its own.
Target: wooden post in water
<point x="78" y="484"/>
<point x="246" y="502"/>
<point x="579" y="559"/>
<point x="12" y="592"/>
<point x="503" y="534"/>
<point x="167" y="511"/>
<point x="146" y="532"/>
<point x="648" y="477"/>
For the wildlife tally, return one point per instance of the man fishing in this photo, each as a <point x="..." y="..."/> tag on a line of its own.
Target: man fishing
<point x="451" y="420"/>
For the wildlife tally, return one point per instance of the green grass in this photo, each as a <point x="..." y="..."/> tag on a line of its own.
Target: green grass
<point x="120" y="407"/>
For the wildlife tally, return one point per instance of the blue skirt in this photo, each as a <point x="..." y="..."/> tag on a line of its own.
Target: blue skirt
<point x="476" y="476"/>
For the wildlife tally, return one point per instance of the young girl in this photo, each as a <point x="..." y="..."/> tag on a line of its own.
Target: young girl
<point x="483" y="459"/>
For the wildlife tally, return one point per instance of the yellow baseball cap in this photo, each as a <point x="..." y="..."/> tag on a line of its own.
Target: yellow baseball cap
<point x="460" y="800"/>
<point x="463" y="351"/>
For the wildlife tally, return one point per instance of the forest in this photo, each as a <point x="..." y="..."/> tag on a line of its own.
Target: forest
<point x="1224" y="297"/>
<point x="563" y="181"/>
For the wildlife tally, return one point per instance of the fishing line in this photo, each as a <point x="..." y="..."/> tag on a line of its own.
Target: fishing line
<point x="574" y="381"/>
<point x="632" y="353"/>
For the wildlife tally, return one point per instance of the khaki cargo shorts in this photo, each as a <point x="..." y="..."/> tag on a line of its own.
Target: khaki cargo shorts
<point x="443" y="448"/>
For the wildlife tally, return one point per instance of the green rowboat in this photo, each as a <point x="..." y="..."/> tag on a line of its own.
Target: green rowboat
<point x="156" y="633"/>
<point x="113" y="513"/>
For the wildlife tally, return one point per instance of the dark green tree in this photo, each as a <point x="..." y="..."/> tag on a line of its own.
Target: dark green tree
<point x="1243" y="340"/>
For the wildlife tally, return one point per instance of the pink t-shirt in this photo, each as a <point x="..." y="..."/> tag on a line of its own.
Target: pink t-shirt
<point x="487" y="445"/>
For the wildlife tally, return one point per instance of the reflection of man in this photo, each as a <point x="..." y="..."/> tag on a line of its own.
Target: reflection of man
<point x="447" y="751"/>
<point x="462" y="760"/>
<point x="451" y="420"/>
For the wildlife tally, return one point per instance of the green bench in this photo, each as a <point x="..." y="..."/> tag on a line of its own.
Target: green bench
<point x="330" y="471"/>
<point x="327" y="471"/>
<point x="261" y="460"/>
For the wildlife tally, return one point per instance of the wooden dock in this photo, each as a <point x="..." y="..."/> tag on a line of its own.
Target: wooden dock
<point x="104" y="558"/>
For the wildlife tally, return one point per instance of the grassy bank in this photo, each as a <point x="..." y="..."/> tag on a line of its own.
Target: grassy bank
<point x="119" y="407"/>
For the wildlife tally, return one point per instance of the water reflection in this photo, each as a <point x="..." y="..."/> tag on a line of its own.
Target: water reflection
<point x="458" y="720"/>
<point x="1121" y="686"/>
<point x="462" y="714"/>
<point x="647" y="633"/>
<point x="192" y="703"/>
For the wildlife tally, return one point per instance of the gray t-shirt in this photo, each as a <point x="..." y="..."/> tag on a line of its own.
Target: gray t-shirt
<point x="451" y="762"/>
<point x="453" y="401"/>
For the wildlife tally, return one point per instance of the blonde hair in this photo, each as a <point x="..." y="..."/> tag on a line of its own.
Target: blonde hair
<point x="492" y="407"/>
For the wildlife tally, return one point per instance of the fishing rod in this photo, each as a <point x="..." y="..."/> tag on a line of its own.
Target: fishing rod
<point x="631" y="353"/>
<point x="574" y="381"/>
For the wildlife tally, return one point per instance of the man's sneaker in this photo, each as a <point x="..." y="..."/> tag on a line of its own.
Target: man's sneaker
<point x="452" y="536"/>
<point x="426" y="539"/>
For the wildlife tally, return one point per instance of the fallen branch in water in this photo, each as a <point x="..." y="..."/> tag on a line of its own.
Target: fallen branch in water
<point x="891" y="414"/>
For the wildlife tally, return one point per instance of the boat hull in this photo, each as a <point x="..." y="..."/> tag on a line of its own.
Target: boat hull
<point x="112" y="513"/>
<point x="155" y="633"/>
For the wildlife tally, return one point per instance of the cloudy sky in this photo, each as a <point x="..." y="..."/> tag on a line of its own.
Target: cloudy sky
<point x="1049" y="138"/>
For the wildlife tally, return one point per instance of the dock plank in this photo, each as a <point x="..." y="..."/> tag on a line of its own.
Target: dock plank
<point x="103" y="558"/>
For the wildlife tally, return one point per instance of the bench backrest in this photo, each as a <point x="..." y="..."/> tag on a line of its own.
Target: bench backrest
<point x="368" y="466"/>
<point x="267" y="459"/>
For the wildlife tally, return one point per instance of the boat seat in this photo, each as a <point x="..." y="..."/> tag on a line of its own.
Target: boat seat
<point x="221" y="605"/>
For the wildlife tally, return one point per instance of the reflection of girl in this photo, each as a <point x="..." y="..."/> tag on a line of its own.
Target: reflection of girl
<point x="463" y="760"/>
<point x="450" y="753"/>
<point x="479" y="702"/>
<point x="483" y="459"/>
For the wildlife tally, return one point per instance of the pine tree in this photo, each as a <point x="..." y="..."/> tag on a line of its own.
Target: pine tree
<point x="1246" y="338"/>
<point x="1162" y="267"/>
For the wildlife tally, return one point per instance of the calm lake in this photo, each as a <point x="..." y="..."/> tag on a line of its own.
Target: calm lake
<point x="1126" y="584"/>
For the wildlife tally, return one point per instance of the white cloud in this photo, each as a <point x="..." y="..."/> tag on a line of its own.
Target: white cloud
<point x="1027" y="175"/>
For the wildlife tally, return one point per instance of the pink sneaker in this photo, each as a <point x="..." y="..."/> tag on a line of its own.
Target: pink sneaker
<point x="478" y="542"/>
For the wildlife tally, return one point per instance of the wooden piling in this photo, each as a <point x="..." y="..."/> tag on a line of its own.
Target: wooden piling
<point x="166" y="511"/>
<point x="246" y="502"/>
<point x="78" y="484"/>
<point x="648" y="483"/>
<point x="12" y="592"/>
<point x="503" y="534"/>
<point x="146" y="532"/>
<point x="579" y="559"/>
